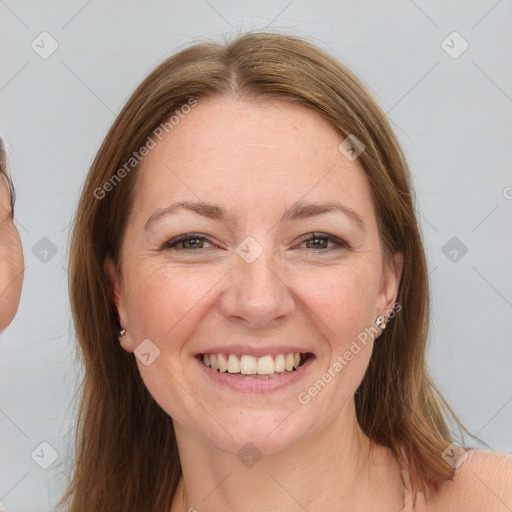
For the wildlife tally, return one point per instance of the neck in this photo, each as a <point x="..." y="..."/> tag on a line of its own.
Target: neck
<point x="338" y="465"/>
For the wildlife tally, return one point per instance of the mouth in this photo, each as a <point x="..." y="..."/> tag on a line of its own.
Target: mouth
<point x="250" y="367"/>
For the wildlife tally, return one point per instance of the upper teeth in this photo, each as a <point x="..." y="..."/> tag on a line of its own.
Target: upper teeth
<point x="250" y="365"/>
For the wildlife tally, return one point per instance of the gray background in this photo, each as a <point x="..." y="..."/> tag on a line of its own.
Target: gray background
<point x="452" y="116"/>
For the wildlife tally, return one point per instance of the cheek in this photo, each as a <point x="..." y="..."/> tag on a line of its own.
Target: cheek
<point x="344" y="306"/>
<point x="164" y="306"/>
<point x="164" y="303"/>
<point x="343" y="299"/>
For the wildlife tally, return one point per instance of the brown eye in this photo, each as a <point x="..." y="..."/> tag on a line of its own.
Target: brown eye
<point x="188" y="241"/>
<point x="321" y="241"/>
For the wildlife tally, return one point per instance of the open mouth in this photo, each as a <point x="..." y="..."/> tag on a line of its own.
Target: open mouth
<point x="248" y="366"/>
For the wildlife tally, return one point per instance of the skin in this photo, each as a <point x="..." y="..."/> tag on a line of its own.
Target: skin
<point x="11" y="260"/>
<point x="256" y="159"/>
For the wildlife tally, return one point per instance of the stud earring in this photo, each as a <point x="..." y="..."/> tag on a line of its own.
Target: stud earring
<point x="122" y="333"/>
<point x="381" y="322"/>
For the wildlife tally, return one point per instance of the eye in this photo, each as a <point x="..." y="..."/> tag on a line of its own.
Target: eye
<point x="322" y="239"/>
<point x="193" y="240"/>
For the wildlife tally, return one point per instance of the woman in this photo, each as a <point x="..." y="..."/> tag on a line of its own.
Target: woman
<point x="250" y="294"/>
<point x="11" y="253"/>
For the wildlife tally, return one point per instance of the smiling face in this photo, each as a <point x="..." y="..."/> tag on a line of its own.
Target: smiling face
<point x="263" y="273"/>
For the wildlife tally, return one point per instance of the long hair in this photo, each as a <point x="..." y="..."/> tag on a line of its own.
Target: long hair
<point x="126" y="452"/>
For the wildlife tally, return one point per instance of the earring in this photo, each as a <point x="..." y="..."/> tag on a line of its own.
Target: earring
<point x="381" y="322"/>
<point x="124" y="338"/>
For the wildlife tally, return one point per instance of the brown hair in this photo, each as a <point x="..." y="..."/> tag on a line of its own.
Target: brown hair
<point x="126" y="452"/>
<point x="5" y="176"/>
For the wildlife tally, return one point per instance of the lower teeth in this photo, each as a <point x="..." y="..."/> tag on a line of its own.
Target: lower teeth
<point x="255" y="376"/>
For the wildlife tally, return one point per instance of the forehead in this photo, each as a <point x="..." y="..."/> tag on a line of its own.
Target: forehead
<point x="250" y="153"/>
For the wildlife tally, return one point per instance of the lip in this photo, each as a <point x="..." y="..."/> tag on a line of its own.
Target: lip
<point x="248" y="385"/>
<point x="259" y="351"/>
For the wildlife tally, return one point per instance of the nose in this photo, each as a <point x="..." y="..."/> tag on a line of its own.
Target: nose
<point x="257" y="293"/>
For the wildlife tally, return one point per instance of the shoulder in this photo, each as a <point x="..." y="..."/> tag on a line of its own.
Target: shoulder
<point x="482" y="483"/>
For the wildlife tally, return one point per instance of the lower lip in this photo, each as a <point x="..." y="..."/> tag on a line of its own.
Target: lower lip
<point x="256" y="385"/>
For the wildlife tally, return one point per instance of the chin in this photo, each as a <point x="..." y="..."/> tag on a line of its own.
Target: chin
<point x="265" y="433"/>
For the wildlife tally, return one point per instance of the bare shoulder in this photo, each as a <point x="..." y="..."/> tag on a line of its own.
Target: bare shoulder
<point x="482" y="483"/>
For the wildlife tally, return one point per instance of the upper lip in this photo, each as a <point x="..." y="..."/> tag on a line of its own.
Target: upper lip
<point x="259" y="351"/>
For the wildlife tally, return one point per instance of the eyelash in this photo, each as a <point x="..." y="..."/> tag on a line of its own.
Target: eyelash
<point x="170" y="245"/>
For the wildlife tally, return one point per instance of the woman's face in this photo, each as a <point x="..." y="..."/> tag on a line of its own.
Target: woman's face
<point x="11" y="259"/>
<point x="257" y="277"/>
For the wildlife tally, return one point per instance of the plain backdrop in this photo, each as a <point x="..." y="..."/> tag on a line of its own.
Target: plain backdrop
<point x="449" y="97"/>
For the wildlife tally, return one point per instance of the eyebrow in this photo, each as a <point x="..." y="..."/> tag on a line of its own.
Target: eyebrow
<point x="299" y="210"/>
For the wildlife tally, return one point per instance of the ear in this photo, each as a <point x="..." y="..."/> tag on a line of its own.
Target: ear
<point x="390" y="283"/>
<point x="118" y="297"/>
